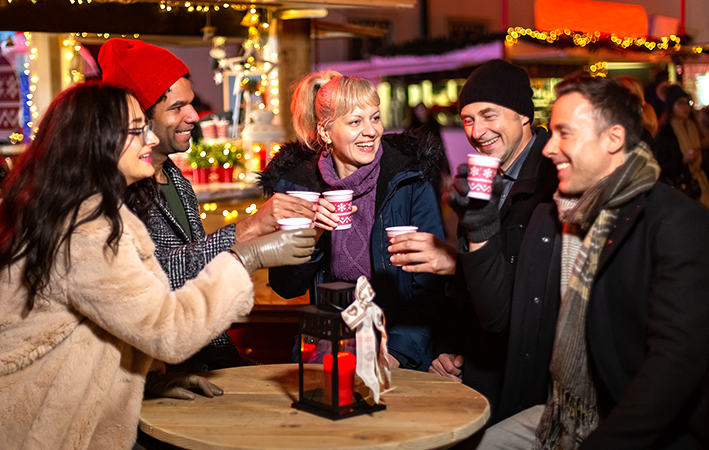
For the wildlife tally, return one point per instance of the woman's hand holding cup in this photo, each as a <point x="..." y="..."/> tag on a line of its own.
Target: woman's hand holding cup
<point x="325" y="217"/>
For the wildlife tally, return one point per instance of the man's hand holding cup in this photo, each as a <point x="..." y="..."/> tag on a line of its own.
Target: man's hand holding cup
<point x="473" y="183"/>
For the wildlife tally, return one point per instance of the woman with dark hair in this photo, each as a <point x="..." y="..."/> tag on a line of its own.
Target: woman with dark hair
<point x="678" y="146"/>
<point x="342" y="147"/>
<point x="84" y="304"/>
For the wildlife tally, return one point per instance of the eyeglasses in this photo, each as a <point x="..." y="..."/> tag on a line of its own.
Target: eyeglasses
<point x="142" y="131"/>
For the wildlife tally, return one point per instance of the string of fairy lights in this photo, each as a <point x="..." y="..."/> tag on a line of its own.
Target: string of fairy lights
<point x="567" y="38"/>
<point x="167" y="6"/>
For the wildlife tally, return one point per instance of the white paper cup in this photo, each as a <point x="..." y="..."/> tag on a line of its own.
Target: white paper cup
<point x="294" y="223"/>
<point x="312" y="197"/>
<point x="395" y="231"/>
<point x="481" y="171"/>
<point x="342" y="201"/>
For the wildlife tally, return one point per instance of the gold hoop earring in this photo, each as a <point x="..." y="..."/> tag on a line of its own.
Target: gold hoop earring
<point x="328" y="148"/>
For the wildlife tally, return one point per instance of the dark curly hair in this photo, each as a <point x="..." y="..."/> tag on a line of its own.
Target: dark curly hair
<point x="74" y="156"/>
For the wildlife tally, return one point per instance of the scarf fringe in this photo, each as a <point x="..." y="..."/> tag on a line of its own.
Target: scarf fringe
<point x="566" y="431"/>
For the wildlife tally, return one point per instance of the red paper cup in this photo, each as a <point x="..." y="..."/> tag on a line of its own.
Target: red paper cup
<point x="225" y="174"/>
<point x="481" y="171"/>
<point x="209" y="130"/>
<point x="312" y="197"/>
<point x="200" y="175"/>
<point x="294" y="223"/>
<point x="222" y="129"/>
<point x="342" y="201"/>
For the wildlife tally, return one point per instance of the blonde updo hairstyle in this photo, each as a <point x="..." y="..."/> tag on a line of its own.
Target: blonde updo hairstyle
<point x="321" y="97"/>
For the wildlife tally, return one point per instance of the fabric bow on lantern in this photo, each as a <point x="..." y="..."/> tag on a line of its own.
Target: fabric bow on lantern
<point x="362" y="316"/>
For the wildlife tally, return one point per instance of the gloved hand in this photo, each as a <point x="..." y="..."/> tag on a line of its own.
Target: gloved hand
<point x="479" y="218"/>
<point x="282" y="248"/>
<point x="175" y="385"/>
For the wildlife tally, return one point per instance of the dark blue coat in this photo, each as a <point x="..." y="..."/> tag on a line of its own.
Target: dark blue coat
<point x="404" y="196"/>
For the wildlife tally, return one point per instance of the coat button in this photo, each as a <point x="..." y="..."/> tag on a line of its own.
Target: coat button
<point x="536" y="299"/>
<point x="512" y="259"/>
<point x="545" y="239"/>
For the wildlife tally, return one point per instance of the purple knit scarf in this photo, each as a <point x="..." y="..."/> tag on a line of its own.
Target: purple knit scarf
<point x="350" y="248"/>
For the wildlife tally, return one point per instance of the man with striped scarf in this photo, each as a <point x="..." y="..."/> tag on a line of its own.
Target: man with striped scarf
<point x="630" y="358"/>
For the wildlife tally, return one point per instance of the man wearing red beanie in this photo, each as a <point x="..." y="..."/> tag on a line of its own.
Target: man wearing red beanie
<point x="161" y="84"/>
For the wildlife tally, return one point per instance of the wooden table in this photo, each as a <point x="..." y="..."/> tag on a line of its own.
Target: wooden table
<point x="424" y="411"/>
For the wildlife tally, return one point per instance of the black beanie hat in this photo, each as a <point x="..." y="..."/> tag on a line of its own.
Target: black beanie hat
<point x="674" y="93"/>
<point x="501" y="83"/>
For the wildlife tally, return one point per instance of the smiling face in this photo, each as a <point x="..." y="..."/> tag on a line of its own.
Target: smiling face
<point x="135" y="162"/>
<point x="354" y="138"/>
<point x="174" y="119"/>
<point x="496" y="131"/>
<point x="582" y="155"/>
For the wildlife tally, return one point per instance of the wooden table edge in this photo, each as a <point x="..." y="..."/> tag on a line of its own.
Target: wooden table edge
<point x="455" y="436"/>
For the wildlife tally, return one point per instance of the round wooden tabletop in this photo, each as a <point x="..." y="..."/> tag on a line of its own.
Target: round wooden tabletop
<point x="423" y="411"/>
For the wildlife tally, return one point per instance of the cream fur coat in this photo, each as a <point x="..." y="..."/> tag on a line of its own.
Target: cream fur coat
<point x="72" y="370"/>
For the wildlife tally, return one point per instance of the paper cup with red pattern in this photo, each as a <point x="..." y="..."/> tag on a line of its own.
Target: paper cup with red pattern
<point x="481" y="171"/>
<point x="342" y="201"/>
<point x="312" y="197"/>
<point x="294" y="223"/>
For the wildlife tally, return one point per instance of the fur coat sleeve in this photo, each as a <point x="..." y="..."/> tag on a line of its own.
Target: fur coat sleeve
<point x="72" y="370"/>
<point x="128" y="294"/>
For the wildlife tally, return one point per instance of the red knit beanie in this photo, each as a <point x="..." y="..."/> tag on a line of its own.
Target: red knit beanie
<point x="145" y="69"/>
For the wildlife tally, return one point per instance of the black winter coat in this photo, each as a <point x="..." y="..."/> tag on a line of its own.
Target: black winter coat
<point x="647" y="324"/>
<point x="488" y="367"/>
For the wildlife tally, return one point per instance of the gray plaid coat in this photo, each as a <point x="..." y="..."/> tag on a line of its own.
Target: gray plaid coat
<point x="182" y="259"/>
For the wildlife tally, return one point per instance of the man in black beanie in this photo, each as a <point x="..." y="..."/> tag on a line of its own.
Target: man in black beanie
<point x="497" y="111"/>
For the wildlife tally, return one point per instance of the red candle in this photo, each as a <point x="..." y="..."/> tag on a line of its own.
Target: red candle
<point x="346" y="363"/>
<point x="307" y="351"/>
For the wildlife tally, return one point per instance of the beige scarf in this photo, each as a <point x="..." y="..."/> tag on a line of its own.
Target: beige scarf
<point x="571" y="412"/>
<point x="689" y="141"/>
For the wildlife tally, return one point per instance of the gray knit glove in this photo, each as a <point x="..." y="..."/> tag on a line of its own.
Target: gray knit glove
<point x="282" y="248"/>
<point x="480" y="219"/>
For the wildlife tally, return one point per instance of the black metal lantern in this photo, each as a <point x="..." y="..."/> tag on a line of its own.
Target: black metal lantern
<point x="326" y="340"/>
